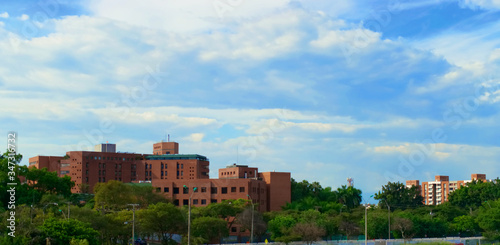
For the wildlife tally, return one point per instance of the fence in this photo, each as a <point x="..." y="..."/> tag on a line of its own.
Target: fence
<point x="451" y="240"/>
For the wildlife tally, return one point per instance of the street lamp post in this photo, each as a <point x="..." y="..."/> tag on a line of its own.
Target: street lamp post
<point x="366" y="223"/>
<point x="253" y="208"/>
<point x="189" y="214"/>
<point x="133" y="220"/>
<point x="69" y="204"/>
<point x="43" y="209"/>
<point x="389" y="219"/>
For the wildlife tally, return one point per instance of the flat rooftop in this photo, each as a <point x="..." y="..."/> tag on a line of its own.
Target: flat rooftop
<point x="177" y="157"/>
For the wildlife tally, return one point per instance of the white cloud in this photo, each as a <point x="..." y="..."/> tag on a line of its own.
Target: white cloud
<point x="4" y="15"/>
<point x="485" y="4"/>
<point x="196" y="137"/>
<point x="24" y="17"/>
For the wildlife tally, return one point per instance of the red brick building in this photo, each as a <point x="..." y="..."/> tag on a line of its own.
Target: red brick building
<point x="168" y="171"/>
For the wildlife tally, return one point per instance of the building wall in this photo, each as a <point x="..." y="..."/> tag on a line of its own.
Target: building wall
<point x="163" y="148"/>
<point x="50" y="162"/>
<point x="213" y="191"/>
<point x="238" y="171"/>
<point x="172" y="169"/>
<point x="279" y="189"/>
<point x="170" y="172"/>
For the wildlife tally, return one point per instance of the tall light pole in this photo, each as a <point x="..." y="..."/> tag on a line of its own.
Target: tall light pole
<point x="253" y="208"/>
<point x="133" y="220"/>
<point x="189" y="214"/>
<point x="366" y="221"/>
<point x="389" y="219"/>
<point x="69" y="204"/>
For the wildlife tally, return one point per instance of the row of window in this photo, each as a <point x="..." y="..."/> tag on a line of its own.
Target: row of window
<point x="213" y="190"/>
<point x="109" y="158"/>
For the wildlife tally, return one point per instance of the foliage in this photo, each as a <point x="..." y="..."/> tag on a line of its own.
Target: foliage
<point x="62" y="231"/>
<point x="397" y="195"/>
<point x="281" y="226"/>
<point x="245" y="220"/>
<point x="163" y="219"/>
<point x="209" y="228"/>
<point x="307" y="196"/>
<point x="308" y="232"/>
<point x="475" y="193"/>
<point x="465" y="225"/>
<point x="488" y="219"/>
<point x="403" y="228"/>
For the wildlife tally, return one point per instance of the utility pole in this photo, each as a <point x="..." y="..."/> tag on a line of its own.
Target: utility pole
<point x="389" y="219"/>
<point x="69" y="204"/>
<point x="366" y="224"/>
<point x="253" y="208"/>
<point x="189" y="214"/>
<point x="133" y="220"/>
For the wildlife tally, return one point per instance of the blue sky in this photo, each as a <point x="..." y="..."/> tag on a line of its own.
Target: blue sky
<point x="374" y="90"/>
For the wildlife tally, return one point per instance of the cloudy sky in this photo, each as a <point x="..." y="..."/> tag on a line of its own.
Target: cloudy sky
<point x="374" y="90"/>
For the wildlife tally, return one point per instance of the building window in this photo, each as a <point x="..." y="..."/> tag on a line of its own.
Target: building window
<point x="242" y="189"/>
<point x="203" y="189"/>
<point x="182" y="173"/>
<point x="185" y="202"/>
<point x="185" y="190"/>
<point x="223" y="190"/>
<point x="233" y="189"/>
<point x="182" y="166"/>
<point x="158" y="189"/>
<point x="203" y="201"/>
<point x="162" y="166"/>
<point x="165" y="173"/>
<point x="213" y="190"/>
<point x="165" y="189"/>
<point x="162" y="174"/>
<point x="176" y="202"/>
<point x="104" y="179"/>
<point x="195" y="201"/>
<point x="146" y="173"/>
<point x="213" y="201"/>
<point x="233" y="229"/>
<point x="176" y="190"/>
<point x="177" y="165"/>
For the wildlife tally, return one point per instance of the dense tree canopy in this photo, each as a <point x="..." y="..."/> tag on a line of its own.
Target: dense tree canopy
<point x="398" y="196"/>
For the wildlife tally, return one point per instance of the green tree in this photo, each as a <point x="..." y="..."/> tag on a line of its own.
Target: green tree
<point x="488" y="219"/>
<point x="474" y="194"/>
<point x="308" y="232"/>
<point x="465" y="225"/>
<point x="163" y="219"/>
<point x="281" y="225"/>
<point x="62" y="231"/>
<point x="349" y="196"/>
<point x="397" y="195"/>
<point x="49" y="182"/>
<point x="210" y="229"/>
<point x="112" y="195"/>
